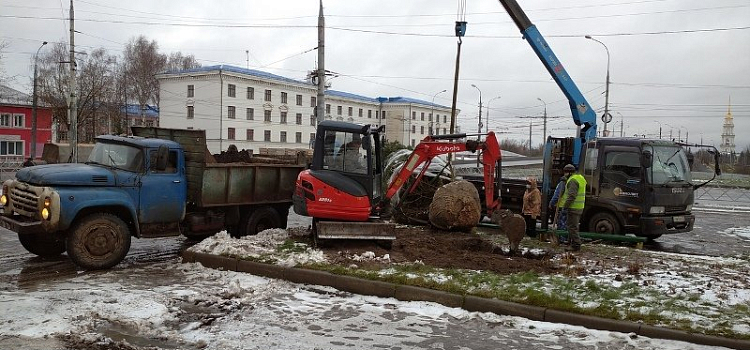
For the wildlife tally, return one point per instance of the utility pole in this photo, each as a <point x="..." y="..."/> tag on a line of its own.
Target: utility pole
<point x="72" y="102"/>
<point x="544" y="133"/>
<point x="487" y="115"/>
<point x="606" y="117"/>
<point x="33" y="109"/>
<point x="479" y="131"/>
<point x="530" y="123"/>
<point x="247" y="58"/>
<point x="321" y="104"/>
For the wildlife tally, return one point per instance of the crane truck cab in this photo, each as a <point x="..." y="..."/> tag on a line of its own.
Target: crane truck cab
<point x="639" y="186"/>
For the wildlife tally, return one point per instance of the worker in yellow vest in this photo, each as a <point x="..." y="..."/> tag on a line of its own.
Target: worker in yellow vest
<point x="572" y="202"/>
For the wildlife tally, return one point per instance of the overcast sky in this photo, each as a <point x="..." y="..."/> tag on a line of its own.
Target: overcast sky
<point x="674" y="63"/>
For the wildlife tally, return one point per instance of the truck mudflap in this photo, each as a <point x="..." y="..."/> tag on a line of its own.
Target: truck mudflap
<point x="657" y="226"/>
<point x="355" y="230"/>
<point x="21" y="226"/>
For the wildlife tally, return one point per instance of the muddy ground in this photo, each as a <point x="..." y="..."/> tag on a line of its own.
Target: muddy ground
<point x="441" y="249"/>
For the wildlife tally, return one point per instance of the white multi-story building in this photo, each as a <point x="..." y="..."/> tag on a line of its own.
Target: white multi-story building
<point x="252" y="109"/>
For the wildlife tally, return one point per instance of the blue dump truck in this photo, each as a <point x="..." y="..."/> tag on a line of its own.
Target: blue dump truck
<point x="160" y="182"/>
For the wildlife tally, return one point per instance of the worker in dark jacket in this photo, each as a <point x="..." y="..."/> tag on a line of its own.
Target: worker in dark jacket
<point x="572" y="203"/>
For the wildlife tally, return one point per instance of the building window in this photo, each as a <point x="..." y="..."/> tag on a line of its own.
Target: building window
<point x="421" y="129"/>
<point x="312" y="138"/>
<point x="5" y="120"/>
<point x="445" y="131"/>
<point x="267" y="116"/>
<point x="230" y="133"/>
<point x="250" y="93"/>
<point x="232" y="90"/>
<point x="190" y="112"/>
<point x="422" y="116"/>
<point x="413" y="129"/>
<point x="339" y="110"/>
<point x="231" y="112"/>
<point x="369" y="113"/>
<point x="382" y="115"/>
<point x="298" y="119"/>
<point x="268" y="96"/>
<point x="250" y="134"/>
<point x="360" y="112"/>
<point x="267" y="135"/>
<point x="249" y="113"/>
<point x="11" y="148"/>
<point x="377" y="115"/>
<point x="18" y="121"/>
<point x="445" y="118"/>
<point x="413" y="142"/>
<point x="429" y="130"/>
<point x="413" y="115"/>
<point x="313" y="101"/>
<point x="429" y="117"/>
<point x="349" y="111"/>
<point x="282" y="136"/>
<point x="328" y="108"/>
<point x="191" y="91"/>
<point x="299" y="100"/>
<point x="283" y="97"/>
<point x="283" y="117"/>
<point x="312" y="120"/>
<point x="298" y="137"/>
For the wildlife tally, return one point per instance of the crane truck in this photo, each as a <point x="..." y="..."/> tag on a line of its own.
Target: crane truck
<point x="634" y="185"/>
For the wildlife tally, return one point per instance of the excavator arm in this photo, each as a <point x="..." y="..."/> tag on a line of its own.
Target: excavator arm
<point x="432" y="146"/>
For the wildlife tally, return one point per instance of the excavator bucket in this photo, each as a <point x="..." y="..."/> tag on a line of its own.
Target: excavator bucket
<point x="355" y="230"/>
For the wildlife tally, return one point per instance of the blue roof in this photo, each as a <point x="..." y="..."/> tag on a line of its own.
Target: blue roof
<point x="135" y="109"/>
<point x="239" y="70"/>
<point x="336" y="93"/>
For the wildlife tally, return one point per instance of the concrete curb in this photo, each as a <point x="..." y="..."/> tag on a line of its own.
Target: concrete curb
<point x="467" y="302"/>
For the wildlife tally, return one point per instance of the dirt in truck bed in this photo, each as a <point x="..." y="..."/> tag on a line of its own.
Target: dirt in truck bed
<point x="441" y="249"/>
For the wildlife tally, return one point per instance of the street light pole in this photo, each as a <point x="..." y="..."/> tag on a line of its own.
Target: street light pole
<point x="487" y="119"/>
<point x="432" y="111"/>
<point x="544" y="137"/>
<point x="480" y="109"/>
<point x="606" y="118"/>
<point x="33" y="106"/>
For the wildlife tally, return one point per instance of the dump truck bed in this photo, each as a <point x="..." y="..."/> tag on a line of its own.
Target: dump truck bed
<point x="219" y="184"/>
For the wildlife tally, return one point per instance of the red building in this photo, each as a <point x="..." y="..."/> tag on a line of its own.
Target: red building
<point x="15" y="125"/>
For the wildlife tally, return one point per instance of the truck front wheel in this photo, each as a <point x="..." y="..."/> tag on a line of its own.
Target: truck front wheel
<point x="604" y="223"/>
<point x="98" y="241"/>
<point x="42" y="244"/>
<point x="258" y="220"/>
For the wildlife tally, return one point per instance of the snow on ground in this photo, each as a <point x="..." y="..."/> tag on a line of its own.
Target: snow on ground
<point x="186" y="306"/>
<point x="265" y="245"/>
<point x="741" y="232"/>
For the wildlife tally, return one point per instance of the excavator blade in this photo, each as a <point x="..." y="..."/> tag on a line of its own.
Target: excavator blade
<point x="355" y="230"/>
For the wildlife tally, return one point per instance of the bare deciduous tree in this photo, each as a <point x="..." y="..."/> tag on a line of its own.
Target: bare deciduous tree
<point x="177" y="61"/>
<point x="142" y="62"/>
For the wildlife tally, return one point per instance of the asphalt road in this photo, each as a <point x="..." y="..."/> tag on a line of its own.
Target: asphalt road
<point x="150" y="265"/>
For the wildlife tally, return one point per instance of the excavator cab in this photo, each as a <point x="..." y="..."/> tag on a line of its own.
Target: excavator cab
<point x="344" y="181"/>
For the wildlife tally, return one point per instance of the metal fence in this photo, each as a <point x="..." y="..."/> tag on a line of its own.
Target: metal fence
<point x="9" y="166"/>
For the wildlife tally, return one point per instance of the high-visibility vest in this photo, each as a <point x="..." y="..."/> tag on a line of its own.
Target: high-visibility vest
<point x="580" y="196"/>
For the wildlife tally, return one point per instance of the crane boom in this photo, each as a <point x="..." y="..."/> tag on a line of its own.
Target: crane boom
<point x="583" y="114"/>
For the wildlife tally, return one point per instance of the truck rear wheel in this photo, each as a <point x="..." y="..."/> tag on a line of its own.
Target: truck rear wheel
<point x="604" y="223"/>
<point x="258" y="220"/>
<point x="98" y="241"/>
<point x="42" y="244"/>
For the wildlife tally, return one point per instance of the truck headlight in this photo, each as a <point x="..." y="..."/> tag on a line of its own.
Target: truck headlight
<point x="45" y="208"/>
<point x="656" y="210"/>
<point x="3" y="200"/>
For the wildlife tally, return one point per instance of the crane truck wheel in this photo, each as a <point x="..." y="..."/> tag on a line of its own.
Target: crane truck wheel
<point x="98" y="241"/>
<point x="42" y="244"/>
<point x="604" y="223"/>
<point x="258" y="220"/>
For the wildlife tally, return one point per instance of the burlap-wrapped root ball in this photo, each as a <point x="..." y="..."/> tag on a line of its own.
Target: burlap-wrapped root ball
<point x="455" y="206"/>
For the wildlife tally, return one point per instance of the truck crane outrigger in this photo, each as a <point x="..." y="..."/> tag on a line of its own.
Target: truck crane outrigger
<point x="635" y="185"/>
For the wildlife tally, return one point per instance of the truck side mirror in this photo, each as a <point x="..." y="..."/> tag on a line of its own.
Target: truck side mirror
<point x="162" y="156"/>
<point x="647" y="159"/>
